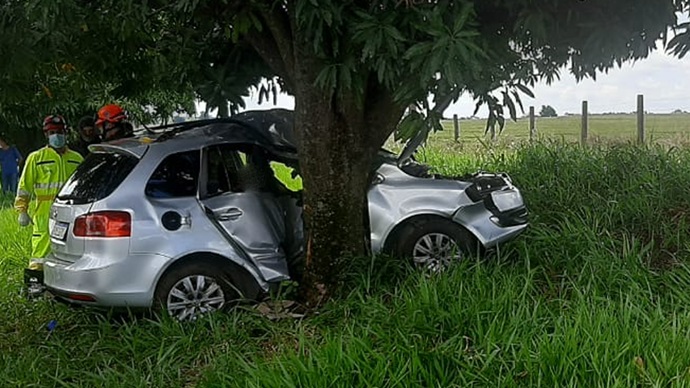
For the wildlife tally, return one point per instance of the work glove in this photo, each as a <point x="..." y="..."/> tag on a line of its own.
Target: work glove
<point x="24" y="219"/>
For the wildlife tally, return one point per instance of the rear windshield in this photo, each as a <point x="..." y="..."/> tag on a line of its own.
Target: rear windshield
<point x="97" y="177"/>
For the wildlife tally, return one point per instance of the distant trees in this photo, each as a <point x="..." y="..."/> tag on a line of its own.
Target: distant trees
<point x="547" y="111"/>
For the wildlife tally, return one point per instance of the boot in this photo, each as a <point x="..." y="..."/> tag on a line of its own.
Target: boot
<point x="33" y="282"/>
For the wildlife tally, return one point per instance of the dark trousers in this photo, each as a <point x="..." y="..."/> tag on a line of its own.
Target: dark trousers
<point x="9" y="183"/>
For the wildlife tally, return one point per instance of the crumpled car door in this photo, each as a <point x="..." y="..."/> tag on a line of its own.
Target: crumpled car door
<point x="253" y="220"/>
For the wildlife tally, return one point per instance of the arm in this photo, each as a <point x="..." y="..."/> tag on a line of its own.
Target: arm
<point x="19" y="158"/>
<point x="25" y="190"/>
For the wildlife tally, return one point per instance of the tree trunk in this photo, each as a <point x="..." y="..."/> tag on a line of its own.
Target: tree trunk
<point x="336" y="179"/>
<point x="338" y="140"/>
<point x="339" y="132"/>
<point x="223" y="110"/>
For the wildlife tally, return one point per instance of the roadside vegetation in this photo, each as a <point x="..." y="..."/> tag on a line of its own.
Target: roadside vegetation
<point x="595" y="293"/>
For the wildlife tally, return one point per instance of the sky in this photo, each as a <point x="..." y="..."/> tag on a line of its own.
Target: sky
<point x="664" y="81"/>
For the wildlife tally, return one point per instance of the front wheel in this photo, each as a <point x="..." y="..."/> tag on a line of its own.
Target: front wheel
<point x="434" y="244"/>
<point x="193" y="290"/>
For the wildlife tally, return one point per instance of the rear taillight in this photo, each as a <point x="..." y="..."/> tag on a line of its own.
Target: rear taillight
<point x="81" y="297"/>
<point x="103" y="224"/>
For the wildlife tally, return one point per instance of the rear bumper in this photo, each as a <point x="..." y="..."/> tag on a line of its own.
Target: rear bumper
<point x="90" y="281"/>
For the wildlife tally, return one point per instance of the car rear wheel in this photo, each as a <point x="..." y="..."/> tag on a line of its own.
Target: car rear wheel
<point x="193" y="290"/>
<point x="433" y="244"/>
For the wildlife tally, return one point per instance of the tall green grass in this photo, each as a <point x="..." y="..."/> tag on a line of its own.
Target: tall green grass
<point x="594" y="293"/>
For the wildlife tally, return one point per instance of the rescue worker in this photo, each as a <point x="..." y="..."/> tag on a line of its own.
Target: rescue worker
<point x="45" y="172"/>
<point x="112" y="123"/>
<point x="86" y="135"/>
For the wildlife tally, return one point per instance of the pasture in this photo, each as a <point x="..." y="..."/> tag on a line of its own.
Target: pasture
<point x="670" y="129"/>
<point x="595" y="293"/>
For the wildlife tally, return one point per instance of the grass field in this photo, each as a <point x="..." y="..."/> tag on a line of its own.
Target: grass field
<point x="668" y="129"/>
<point x="595" y="293"/>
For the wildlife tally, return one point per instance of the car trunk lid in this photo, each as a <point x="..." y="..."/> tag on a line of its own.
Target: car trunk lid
<point x="94" y="180"/>
<point x="65" y="246"/>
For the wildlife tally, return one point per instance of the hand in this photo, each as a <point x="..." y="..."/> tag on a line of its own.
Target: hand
<point x="24" y="219"/>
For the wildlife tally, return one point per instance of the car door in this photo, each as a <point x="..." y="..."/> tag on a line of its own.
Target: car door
<point x="250" y="217"/>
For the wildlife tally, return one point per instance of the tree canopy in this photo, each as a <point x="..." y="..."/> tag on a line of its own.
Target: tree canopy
<point x="353" y="67"/>
<point x="72" y="55"/>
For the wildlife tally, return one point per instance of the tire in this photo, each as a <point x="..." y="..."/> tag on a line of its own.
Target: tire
<point x="433" y="244"/>
<point x="195" y="289"/>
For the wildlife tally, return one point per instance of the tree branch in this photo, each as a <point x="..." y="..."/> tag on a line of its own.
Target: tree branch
<point x="267" y="50"/>
<point x="381" y="113"/>
<point x="278" y="22"/>
<point x="274" y="44"/>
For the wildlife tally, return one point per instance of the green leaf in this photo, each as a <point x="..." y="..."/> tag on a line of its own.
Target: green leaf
<point x="490" y="123"/>
<point x="465" y="11"/>
<point x="501" y="123"/>
<point x="507" y="101"/>
<point x="477" y="106"/>
<point x="525" y="90"/>
<point x="409" y="126"/>
<point x="516" y="97"/>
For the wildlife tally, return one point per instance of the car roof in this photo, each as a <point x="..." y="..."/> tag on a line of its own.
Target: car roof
<point x="269" y="129"/>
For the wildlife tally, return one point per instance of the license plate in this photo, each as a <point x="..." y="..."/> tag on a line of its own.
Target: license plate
<point x="59" y="230"/>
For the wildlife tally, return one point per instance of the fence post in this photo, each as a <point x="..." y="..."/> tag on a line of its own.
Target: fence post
<point x="456" y="125"/>
<point x="532" y="126"/>
<point x="585" y="128"/>
<point x="640" y="119"/>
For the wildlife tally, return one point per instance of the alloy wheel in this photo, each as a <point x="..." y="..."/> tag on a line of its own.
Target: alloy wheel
<point x="193" y="296"/>
<point x="435" y="251"/>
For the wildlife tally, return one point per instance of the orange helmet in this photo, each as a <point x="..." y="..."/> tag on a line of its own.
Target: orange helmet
<point x="54" y="122"/>
<point x="111" y="113"/>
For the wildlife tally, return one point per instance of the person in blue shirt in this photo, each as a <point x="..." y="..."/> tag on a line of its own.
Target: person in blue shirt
<point x="10" y="160"/>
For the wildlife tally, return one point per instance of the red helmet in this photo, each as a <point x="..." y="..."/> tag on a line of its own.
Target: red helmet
<point x="54" y="122"/>
<point x="111" y="113"/>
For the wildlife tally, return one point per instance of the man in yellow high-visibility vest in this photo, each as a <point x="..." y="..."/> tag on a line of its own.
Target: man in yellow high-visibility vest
<point x="45" y="172"/>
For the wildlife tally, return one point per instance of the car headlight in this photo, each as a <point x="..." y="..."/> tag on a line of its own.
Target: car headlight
<point x="507" y="199"/>
<point x="378" y="179"/>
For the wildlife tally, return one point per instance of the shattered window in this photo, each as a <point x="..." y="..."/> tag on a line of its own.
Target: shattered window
<point x="222" y="167"/>
<point x="176" y="176"/>
<point x="240" y="168"/>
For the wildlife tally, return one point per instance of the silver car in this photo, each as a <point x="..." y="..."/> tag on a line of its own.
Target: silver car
<point x="192" y="218"/>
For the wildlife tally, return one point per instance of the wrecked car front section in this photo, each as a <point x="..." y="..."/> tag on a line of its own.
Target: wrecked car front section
<point x="395" y="196"/>
<point x="485" y="204"/>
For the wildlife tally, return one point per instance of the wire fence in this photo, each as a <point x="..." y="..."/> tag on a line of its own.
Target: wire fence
<point x="633" y="124"/>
